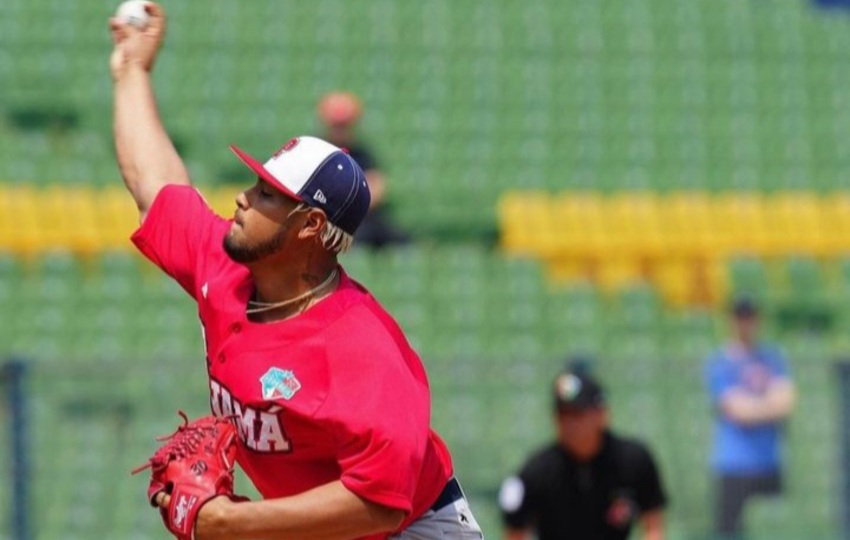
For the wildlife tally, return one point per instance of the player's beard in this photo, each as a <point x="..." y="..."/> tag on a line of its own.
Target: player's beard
<point x="245" y="253"/>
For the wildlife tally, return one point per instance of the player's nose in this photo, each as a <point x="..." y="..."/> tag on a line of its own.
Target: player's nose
<point x="242" y="200"/>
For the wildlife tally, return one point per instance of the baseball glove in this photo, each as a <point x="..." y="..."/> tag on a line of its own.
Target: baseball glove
<point x="194" y="466"/>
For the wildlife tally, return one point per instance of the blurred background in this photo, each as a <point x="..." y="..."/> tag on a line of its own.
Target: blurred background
<point x="576" y="178"/>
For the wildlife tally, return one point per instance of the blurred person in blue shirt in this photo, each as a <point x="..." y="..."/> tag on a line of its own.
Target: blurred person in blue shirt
<point x="752" y="394"/>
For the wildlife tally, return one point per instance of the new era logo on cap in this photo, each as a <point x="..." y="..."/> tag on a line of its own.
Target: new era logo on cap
<point x="320" y="174"/>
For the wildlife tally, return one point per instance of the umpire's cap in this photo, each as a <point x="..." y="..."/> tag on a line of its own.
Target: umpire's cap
<point x="576" y="389"/>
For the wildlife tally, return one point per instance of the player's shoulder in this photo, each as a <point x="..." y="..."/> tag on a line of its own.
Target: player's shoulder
<point x="629" y="450"/>
<point x="362" y="314"/>
<point x="362" y="331"/>
<point x="182" y="206"/>
<point x="175" y="195"/>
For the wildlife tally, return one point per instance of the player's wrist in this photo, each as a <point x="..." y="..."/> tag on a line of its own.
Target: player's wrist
<point x="130" y="72"/>
<point x="216" y="520"/>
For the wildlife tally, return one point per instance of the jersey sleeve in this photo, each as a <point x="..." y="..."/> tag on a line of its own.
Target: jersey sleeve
<point x="178" y="232"/>
<point x="519" y="498"/>
<point x="383" y="426"/>
<point x="649" y="489"/>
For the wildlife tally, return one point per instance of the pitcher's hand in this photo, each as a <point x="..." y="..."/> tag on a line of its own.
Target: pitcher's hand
<point x="134" y="47"/>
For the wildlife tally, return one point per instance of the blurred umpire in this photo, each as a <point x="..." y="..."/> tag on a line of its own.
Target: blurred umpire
<point x="589" y="484"/>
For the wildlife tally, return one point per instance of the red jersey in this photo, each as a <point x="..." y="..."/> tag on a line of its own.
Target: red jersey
<point x="335" y="393"/>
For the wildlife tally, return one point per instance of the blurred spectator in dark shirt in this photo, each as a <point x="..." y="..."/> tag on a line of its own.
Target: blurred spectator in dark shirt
<point x="339" y="113"/>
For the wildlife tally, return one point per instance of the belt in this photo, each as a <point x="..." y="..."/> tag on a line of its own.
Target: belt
<point x="450" y="494"/>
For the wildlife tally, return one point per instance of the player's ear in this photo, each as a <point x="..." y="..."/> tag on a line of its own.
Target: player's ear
<point x="314" y="223"/>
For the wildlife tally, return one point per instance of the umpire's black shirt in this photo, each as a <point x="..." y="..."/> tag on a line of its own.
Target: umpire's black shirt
<point x="561" y="498"/>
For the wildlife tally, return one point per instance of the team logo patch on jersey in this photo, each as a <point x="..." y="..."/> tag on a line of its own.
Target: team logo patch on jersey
<point x="279" y="383"/>
<point x="622" y="512"/>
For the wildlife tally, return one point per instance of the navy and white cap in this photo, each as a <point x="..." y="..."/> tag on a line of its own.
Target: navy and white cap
<point x="319" y="174"/>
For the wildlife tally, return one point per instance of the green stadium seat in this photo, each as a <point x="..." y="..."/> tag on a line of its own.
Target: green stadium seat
<point x="750" y="277"/>
<point x="463" y="101"/>
<point x="639" y="308"/>
<point x="807" y="303"/>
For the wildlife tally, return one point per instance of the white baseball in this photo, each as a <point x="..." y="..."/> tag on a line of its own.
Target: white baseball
<point x="133" y="12"/>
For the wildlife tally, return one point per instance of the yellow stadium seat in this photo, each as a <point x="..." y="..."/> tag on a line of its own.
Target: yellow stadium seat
<point x="566" y="271"/>
<point x="712" y="282"/>
<point x="527" y="223"/>
<point x="835" y="212"/>
<point x="117" y="219"/>
<point x="614" y="274"/>
<point x="72" y="223"/>
<point x="25" y="228"/>
<point x="633" y="222"/>
<point x="687" y="228"/>
<point x="794" y="225"/>
<point x="583" y="235"/>
<point x="694" y="282"/>
<point x="681" y="241"/>
<point x="674" y="279"/>
<point x="740" y="220"/>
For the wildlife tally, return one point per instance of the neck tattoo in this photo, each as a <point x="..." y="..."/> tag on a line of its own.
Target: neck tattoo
<point x="255" y="306"/>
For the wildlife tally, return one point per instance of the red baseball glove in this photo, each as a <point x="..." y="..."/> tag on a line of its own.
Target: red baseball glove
<point x="194" y="466"/>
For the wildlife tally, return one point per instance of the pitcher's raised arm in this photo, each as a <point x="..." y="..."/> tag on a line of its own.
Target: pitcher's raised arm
<point x="146" y="156"/>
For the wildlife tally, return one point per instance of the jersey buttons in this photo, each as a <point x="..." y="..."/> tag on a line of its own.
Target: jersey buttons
<point x="235" y="328"/>
<point x="221" y="357"/>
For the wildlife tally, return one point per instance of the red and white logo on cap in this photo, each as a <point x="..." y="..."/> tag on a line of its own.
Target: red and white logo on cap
<point x="292" y="143"/>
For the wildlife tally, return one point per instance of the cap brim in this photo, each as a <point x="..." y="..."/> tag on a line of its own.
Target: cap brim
<point x="261" y="171"/>
<point x="578" y="407"/>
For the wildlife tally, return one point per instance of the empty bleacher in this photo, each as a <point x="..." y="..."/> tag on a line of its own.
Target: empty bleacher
<point x="633" y="156"/>
<point x="463" y="100"/>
